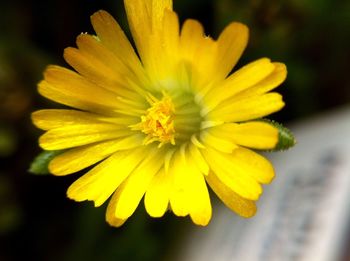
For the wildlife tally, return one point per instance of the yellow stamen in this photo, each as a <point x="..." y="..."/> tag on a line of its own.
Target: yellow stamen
<point x="158" y="122"/>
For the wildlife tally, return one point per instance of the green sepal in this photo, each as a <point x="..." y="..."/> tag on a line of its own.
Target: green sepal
<point x="40" y="164"/>
<point x="286" y="138"/>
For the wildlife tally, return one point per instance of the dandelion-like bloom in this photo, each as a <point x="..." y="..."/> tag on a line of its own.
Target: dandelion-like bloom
<point x="164" y="122"/>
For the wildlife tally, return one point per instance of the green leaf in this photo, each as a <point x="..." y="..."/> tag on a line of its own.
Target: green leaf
<point x="286" y="138"/>
<point x="40" y="164"/>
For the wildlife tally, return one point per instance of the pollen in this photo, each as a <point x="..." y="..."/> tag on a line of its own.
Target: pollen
<point x="158" y="121"/>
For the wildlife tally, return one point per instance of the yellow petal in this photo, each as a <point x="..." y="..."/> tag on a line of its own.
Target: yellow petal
<point x="97" y="63"/>
<point x="170" y="35"/>
<point x="178" y="196"/>
<point x="273" y="80"/>
<point x="198" y="53"/>
<point x="77" y="135"/>
<point x="252" y="164"/>
<point x="189" y="194"/>
<point x="135" y="186"/>
<point x="56" y="118"/>
<point x="243" y="207"/>
<point x="196" y="142"/>
<point x="198" y="159"/>
<point x="248" y="109"/>
<point x="50" y="91"/>
<point x="235" y="177"/>
<point x="198" y="197"/>
<point x="231" y="44"/>
<point x="205" y="71"/>
<point x="168" y="158"/>
<point x="100" y="182"/>
<point x="257" y="135"/>
<point x="101" y="67"/>
<point x="145" y="17"/>
<point x="242" y="79"/>
<point x="110" y="213"/>
<point x="113" y="38"/>
<point x="140" y="24"/>
<point x="192" y="33"/>
<point x="93" y="48"/>
<point x="79" y="158"/>
<point x="158" y="8"/>
<point x="214" y="140"/>
<point x="163" y="57"/>
<point x="69" y="88"/>
<point x="157" y="194"/>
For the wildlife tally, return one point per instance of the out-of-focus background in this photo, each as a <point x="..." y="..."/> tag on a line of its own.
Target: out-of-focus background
<point x="37" y="221"/>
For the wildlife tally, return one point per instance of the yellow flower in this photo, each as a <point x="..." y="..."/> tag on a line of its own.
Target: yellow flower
<point x="165" y="122"/>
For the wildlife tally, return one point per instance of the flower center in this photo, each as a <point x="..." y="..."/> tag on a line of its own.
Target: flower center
<point x="158" y="122"/>
<point x="170" y="119"/>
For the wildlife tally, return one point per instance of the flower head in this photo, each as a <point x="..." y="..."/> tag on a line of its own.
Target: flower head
<point x="162" y="123"/>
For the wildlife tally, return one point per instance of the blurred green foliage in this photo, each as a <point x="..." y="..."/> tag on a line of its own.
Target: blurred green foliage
<point x="37" y="221"/>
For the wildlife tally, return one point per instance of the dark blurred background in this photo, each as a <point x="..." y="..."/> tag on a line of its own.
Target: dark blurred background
<point x="37" y="221"/>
